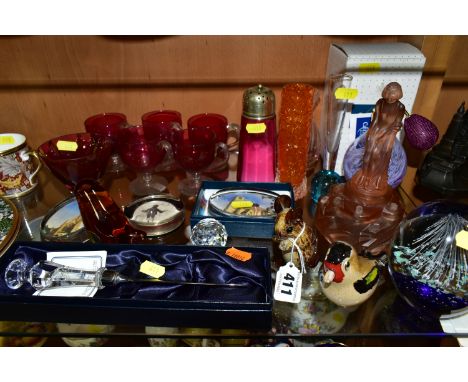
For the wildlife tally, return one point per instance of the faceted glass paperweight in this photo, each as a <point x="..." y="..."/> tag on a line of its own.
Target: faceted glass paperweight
<point x="209" y="232"/>
<point x="322" y="181"/>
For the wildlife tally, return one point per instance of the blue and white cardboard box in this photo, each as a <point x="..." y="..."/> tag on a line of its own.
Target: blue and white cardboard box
<point x="372" y="67"/>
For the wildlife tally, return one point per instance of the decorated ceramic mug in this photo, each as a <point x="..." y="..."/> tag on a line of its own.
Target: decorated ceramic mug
<point x="18" y="166"/>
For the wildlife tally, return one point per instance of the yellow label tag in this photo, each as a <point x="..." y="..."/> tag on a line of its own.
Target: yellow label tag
<point x="346" y="93"/>
<point x="369" y="67"/>
<point x="152" y="269"/>
<point x="7" y="140"/>
<point x="241" y="204"/>
<point x="67" y="146"/>
<point x="94" y="329"/>
<point x="255" y="128"/>
<point x="461" y="239"/>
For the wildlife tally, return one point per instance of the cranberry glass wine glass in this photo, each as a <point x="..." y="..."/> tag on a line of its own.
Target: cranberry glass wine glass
<point x="142" y="154"/>
<point x="78" y="160"/>
<point x="108" y="125"/>
<point x="160" y="125"/>
<point x="195" y="150"/>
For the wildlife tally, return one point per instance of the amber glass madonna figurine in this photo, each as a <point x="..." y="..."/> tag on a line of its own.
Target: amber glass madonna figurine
<point x="365" y="211"/>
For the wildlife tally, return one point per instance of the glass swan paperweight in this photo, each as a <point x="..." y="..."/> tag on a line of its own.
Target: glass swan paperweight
<point x="48" y="274"/>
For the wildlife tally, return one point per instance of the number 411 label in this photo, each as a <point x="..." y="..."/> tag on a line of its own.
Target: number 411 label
<point x="288" y="284"/>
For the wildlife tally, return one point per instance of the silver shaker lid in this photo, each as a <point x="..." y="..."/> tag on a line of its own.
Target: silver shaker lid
<point x="258" y="102"/>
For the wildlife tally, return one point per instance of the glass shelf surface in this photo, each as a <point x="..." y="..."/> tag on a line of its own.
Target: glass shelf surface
<point x="383" y="320"/>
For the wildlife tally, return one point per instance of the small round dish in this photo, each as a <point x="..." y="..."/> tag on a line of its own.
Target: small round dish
<point x="156" y="214"/>
<point x="63" y="223"/>
<point x="9" y="224"/>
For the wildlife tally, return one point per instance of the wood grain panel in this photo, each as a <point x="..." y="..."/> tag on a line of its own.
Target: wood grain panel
<point x="458" y="68"/>
<point x="438" y="52"/>
<point x="85" y="60"/>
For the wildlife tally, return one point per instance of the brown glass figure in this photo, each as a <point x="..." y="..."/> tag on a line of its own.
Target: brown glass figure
<point x="365" y="211"/>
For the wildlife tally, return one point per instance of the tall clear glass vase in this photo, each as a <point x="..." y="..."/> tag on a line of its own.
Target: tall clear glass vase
<point x="335" y="108"/>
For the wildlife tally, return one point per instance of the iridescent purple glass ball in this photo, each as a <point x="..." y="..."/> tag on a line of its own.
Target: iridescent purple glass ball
<point x="421" y="133"/>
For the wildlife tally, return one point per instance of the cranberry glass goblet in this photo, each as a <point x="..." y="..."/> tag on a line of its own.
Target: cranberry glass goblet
<point x="195" y="150"/>
<point x="142" y="154"/>
<point x="108" y="125"/>
<point x="159" y="124"/>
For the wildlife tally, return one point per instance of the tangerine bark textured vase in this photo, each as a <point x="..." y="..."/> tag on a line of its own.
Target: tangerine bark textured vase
<point x="365" y="211"/>
<point x="295" y="121"/>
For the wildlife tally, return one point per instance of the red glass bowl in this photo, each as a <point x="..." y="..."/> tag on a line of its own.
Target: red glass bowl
<point x="84" y="161"/>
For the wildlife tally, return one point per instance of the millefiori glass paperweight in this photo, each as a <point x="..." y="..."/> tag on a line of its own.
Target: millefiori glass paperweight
<point x="428" y="264"/>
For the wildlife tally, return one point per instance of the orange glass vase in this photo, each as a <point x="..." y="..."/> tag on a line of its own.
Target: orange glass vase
<point x="295" y="122"/>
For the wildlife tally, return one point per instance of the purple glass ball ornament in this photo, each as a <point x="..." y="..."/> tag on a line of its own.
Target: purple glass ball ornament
<point x="421" y="133"/>
<point x="353" y="161"/>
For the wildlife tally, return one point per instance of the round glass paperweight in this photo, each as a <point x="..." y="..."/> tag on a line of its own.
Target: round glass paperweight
<point x="64" y="223"/>
<point x="209" y="231"/>
<point x="428" y="261"/>
<point x="156" y="215"/>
